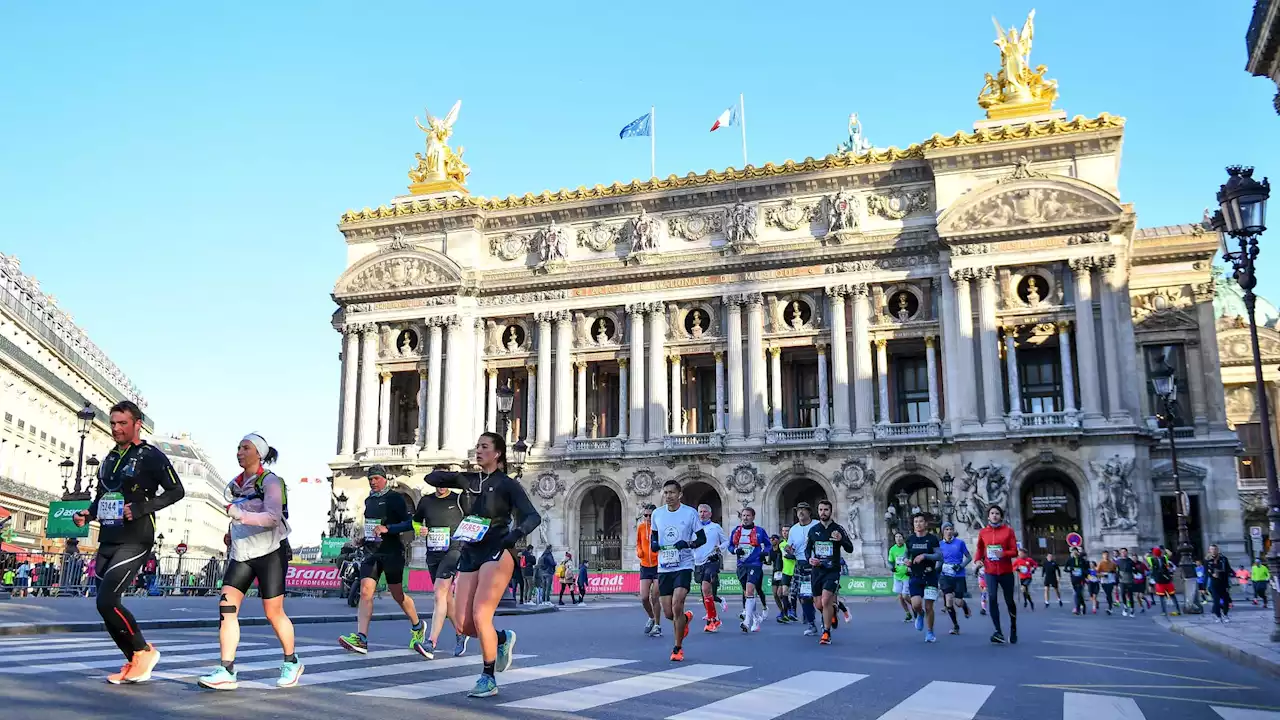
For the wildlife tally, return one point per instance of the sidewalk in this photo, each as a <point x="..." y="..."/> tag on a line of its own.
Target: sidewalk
<point x="28" y="616"/>
<point x="1246" y="639"/>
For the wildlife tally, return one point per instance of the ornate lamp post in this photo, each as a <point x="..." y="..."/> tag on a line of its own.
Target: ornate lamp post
<point x="1165" y="386"/>
<point x="948" y="485"/>
<point x="85" y="420"/>
<point x="1242" y="203"/>
<point x="517" y="456"/>
<point x="505" y="396"/>
<point x="519" y="451"/>
<point x="902" y="511"/>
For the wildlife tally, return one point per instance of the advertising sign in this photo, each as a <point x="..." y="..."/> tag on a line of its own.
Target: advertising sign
<point x="604" y="583"/>
<point x="61" y="524"/>
<point x="313" y="577"/>
<point x="331" y="547"/>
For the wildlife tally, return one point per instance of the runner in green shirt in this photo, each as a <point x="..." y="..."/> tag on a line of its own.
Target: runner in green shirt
<point x="898" y="561"/>
<point x="1260" y="574"/>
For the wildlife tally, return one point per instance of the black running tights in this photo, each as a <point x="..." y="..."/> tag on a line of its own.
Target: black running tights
<point x="116" y="567"/>
<point x="1005" y="585"/>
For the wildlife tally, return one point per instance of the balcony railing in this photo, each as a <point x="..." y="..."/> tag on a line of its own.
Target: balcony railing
<point x="712" y="441"/>
<point x="592" y="446"/>
<point x="389" y="452"/>
<point x="1049" y="420"/>
<point x="906" y="431"/>
<point x="788" y="436"/>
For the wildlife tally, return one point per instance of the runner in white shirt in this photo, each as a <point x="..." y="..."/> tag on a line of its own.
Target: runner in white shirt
<point x="677" y="532"/>
<point x="707" y="561"/>
<point x="802" y="582"/>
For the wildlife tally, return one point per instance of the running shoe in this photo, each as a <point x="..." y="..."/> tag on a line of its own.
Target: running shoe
<point x="354" y="643"/>
<point x="967" y="614"/>
<point x="908" y="618"/>
<point x="219" y="679"/>
<point x="929" y="637"/>
<point x="486" y="686"/>
<point x="811" y="630"/>
<point x="711" y="627"/>
<point x="1013" y="635"/>
<point x="1059" y="603"/>
<point x="845" y="613"/>
<point x="1226" y="619"/>
<point x="459" y="644"/>
<point x="289" y="674"/>
<point x="982" y="612"/>
<point x="656" y="631"/>
<point x="418" y="643"/>
<point x="723" y="605"/>
<point x="118" y="678"/>
<point x="826" y="638"/>
<point x="1175" y="613"/>
<point x="144" y="661"/>
<point x="744" y="626"/>
<point x="677" y="655"/>
<point x="648" y="626"/>
<point x="781" y="618"/>
<point x="505" y="651"/>
<point x="955" y="631"/>
<point x="1046" y="603"/>
<point x="427" y="650"/>
<point x="997" y="638"/>
<point x="919" y="622"/>
<point x="791" y="617"/>
<point x="688" y="618"/>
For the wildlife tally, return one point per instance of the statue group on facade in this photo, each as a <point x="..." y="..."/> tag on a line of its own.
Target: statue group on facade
<point x="1117" y="500"/>
<point x="440" y="163"/>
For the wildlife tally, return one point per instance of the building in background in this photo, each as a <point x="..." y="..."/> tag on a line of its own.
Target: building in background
<point x="200" y="520"/>
<point x="1262" y="41"/>
<point x="49" y="370"/>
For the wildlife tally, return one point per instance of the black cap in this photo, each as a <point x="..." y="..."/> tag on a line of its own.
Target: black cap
<point x="375" y="470"/>
<point x="803" y="506"/>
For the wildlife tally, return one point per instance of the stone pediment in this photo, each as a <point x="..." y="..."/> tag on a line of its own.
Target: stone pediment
<point x="1236" y="348"/>
<point x="399" y="272"/>
<point x="1034" y="205"/>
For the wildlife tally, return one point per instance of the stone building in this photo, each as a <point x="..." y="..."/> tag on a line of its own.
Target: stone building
<point x="1262" y="43"/>
<point x="978" y="307"/>
<point x="200" y="520"/>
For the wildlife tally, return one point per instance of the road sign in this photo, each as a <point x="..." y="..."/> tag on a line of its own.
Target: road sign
<point x="181" y="549"/>
<point x="1255" y="532"/>
<point x="1074" y="539"/>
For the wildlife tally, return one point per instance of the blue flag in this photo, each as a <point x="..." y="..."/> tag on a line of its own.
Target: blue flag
<point x="640" y="127"/>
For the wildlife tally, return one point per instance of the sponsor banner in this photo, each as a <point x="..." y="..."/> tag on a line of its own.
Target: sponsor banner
<point x="866" y="586"/>
<point x="331" y="547"/>
<point x="420" y="581"/>
<point x="61" y="524"/>
<point x="313" y="576"/>
<point x="603" y="583"/>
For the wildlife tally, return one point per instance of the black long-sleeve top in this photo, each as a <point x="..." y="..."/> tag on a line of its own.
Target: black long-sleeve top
<point x="145" y="477"/>
<point x="496" y="497"/>
<point x="821" y="533"/>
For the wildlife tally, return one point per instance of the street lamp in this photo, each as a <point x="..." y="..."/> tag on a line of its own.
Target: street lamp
<point x="85" y="423"/>
<point x="902" y="510"/>
<point x="67" y="467"/>
<point x="519" y="452"/>
<point x="1165" y="385"/>
<point x="1242" y="211"/>
<point x="948" y="485"/>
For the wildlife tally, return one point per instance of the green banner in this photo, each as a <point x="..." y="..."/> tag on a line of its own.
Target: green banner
<point x="729" y="585"/>
<point x="61" y="524"/>
<point x="331" y="547"/>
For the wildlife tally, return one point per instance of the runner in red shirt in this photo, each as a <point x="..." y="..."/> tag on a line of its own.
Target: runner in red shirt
<point x="1025" y="568"/>
<point x="997" y="546"/>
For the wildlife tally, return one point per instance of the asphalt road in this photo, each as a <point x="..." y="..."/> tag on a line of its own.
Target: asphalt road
<point x="592" y="661"/>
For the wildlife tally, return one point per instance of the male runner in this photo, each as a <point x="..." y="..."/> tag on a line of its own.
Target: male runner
<point x="788" y="573"/>
<point x="135" y="481"/>
<point x="439" y="514"/>
<point x="826" y="540"/>
<point x="997" y="546"/>
<point x="1139" y="581"/>
<point x="1126" y="568"/>
<point x="751" y="544"/>
<point x="1049" y="573"/>
<point x="1078" y="571"/>
<point x="801" y="583"/>
<point x="898" y="561"/>
<point x="1218" y="568"/>
<point x="923" y="556"/>
<point x="677" y="532"/>
<point x="954" y="586"/>
<point x="1025" y="567"/>
<point x="386" y="515"/>
<point x="706" y="564"/>
<point x="648" y="575"/>
<point x="1162" y="580"/>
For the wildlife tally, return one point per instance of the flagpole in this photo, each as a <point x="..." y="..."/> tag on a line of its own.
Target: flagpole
<point x="742" y="108"/>
<point x="653" y="140"/>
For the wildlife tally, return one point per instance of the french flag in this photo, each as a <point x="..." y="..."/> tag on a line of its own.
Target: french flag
<point x="727" y="118"/>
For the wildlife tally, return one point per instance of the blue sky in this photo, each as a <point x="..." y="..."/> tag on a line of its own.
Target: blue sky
<point x="174" y="173"/>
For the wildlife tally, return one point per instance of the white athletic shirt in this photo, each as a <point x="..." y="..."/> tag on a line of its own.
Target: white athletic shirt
<point x="798" y="537"/>
<point x="716" y="540"/>
<point x="673" y="526"/>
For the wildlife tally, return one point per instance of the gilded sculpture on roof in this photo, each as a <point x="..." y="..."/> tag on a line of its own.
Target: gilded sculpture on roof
<point x="440" y="169"/>
<point x="1017" y="90"/>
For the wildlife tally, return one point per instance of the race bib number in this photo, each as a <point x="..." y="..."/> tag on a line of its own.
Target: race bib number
<point x="931" y="593"/>
<point x="777" y="577"/>
<point x="995" y="552"/>
<point x="369" y="534"/>
<point x="900" y="561"/>
<point x="111" y="509"/>
<point x="1138" y="577"/>
<point x="669" y="558"/>
<point x="1109" y="578"/>
<point x="806" y="588"/>
<point x="822" y="549"/>
<point x="1077" y="572"/>
<point x="471" y="529"/>
<point x="438" y="538"/>
<point x="949" y="570"/>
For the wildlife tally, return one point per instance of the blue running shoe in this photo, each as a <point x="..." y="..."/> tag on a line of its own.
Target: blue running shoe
<point x="919" y="622"/>
<point x="289" y="674"/>
<point x="486" y="686"/>
<point x="219" y="679"/>
<point x="505" y="651"/>
<point x="459" y="644"/>
<point x="930" y="637"/>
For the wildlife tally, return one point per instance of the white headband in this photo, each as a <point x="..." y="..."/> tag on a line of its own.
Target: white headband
<point x="258" y="443"/>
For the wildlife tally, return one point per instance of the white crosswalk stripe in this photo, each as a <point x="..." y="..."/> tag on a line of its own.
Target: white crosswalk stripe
<point x="962" y="702"/>
<point x="436" y="688"/>
<point x="374" y="671"/>
<point x="165" y="661"/>
<point x="1079" y="706"/>
<point x="770" y="701"/>
<point x="308" y="661"/>
<point x="1231" y="713"/>
<point x="41" y="640"/>
<point x="624" y="689"/>
<point x="105" y="650"/>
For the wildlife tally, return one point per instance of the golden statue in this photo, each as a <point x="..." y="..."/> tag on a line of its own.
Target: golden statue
<point x="1017" y="90"/>
<point x="441" y="169"/>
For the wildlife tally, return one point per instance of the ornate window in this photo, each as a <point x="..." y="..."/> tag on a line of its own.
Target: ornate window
<point x="1040" y="374"/>
<point x="913" y="388"/>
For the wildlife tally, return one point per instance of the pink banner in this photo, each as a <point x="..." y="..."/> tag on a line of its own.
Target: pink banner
<point x="603" y="583"/>
<point x="420" y="581"/>
<point x="312" y="576"/>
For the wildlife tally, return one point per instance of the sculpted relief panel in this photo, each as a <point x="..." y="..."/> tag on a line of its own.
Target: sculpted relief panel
<point x="1019" y="202"/>
<point x="396" y="273"/>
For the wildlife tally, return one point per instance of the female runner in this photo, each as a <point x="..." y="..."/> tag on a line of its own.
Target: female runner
<point x="484" y="567"/>
<point x="258" y="532"/>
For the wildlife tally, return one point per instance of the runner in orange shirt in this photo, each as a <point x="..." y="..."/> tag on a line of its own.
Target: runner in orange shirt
<point x="648" y="575"/>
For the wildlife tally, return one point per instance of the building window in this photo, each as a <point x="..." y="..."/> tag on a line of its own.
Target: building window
<point x="1250" y="464"/>
<point x="22" y="424"/>
<point x="1157" y="358"/>
<point x="8" y="418"/>
<point x="31" y="431"/>
<point x="44" y="437"/>
<point x="805" y="374"/>
<point x="1040" y="375"/>
<point x="913" y="389"/>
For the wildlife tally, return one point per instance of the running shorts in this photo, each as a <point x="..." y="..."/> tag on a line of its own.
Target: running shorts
<point x="752" y="574"/>
<point x="954" y="585"/>
<point x="444" y="565"/>
<point x="268" y="570"/>
<point x="708" y="571"/>
<point x="786" y="580"/>
<point x="918" y="583"/>
<point x="391" y="565"/>
<point x="1093" y="589"/>
<point x="826" y="580"/>
<point x="648" y="573"/>
<point x="1051" y="584"/>
<point x="669" y="581"/>
<point x="1026" y="582"/>
<point x="472" y="557"/>
<point x="899" y="587"/>
<point x="1165" y="589"/>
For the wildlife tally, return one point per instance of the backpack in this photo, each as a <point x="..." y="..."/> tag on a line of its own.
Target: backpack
<point x="258" y="493"/>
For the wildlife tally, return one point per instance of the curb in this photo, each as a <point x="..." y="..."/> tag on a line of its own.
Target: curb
<point x="12" y="629"/>
<point x="1227" y="650"/>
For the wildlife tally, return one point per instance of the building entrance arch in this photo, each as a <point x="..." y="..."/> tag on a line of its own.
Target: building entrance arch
<point x="600" y="528"/>
<point x="1050" y="504"/>
<point x="699" y="492"/>
<point x="794" y="492"/>
<point x="908" y="495"/>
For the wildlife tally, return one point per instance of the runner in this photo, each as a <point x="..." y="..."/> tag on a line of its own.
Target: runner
<point x="751" y="544"/>
<point x="1025" y="567"/>
<point x="1140" y="570"/>
<point x="776" y="563"/>
<point x="1162" y="580"/>
<point x="1127" y="569"/>
<point x="954" y="587"/>
<point x="1049" y="573"/>
<point x="706" y="564"/>
<point x="1219" y="570"/>
<point x="1093" y="585"/>
<point x="648" y="575"/>
<point x="125" y="505"/>
<point x="923" y="557"/>
<point x="1202" y="583"/>
<point x="996" y="549"/>
<point x="898" y="561"/>
<point x="802" y="582"/>
<point x="490" y="497"/>
<point x="1259" y="574"/>
<point x="439" y="513"/>
<point x="1078" y="571"/>
<point x="822" y="553"/>
<point x="1107" y="572"/>
<point x="258" y="530"/>
<point x="677" y="532"/>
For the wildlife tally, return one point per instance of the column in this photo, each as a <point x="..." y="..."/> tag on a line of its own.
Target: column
<point x="775" y="385"/>
<point x="531" y="403"/>
<point x="580" y="409"/>
<point x="1011" y="367"/>
<point x="719" y="422"/>
<point x="384" y="408"/>
<point x="755" y="365"/>
<point x="622" y="397"/>
<point x="882" y="378"/>
<point x="839" y="364"/>
<point x="483" y="400"/>
<point x="543" y="437"/>
<point x="564" y="379"/>
<point x="734" y="380"/>
<point x="822" y="385"/>
<point x="1110" y="339"/>
<point x="459" y="373"/>
<point x="491" y="401"/>
<point x="350" y="382"/>
<point x="420" y="434"/>
<point x="989" y="348"/>
<point x="1086" y="351"/>
<point x="1068" y="372"/>
<point x="431" y="440"/>
<point x="677" y="427"/>
<point x="966" y="376"/>
<point x="368" y="386"/>
<point x="862" y="410"/>
<point x="931" y="367"/>
<point x="657" y="374"/>
<point x="1211" y="363"/>
<point x="636" y="428"/>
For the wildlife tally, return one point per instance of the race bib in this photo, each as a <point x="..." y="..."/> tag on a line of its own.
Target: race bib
<point x="822" y="549"/>
<point x="949" y="570"/>
<point x="1077" y="572"/>
<point x="369" y="534"/>
<point x="931" y="593"/>
<point x="471" y="529"/>
<point x="1138" y="577"/>
<point x="994" y="552"/>
<point x="900" y="561"/>
<point x="111" y="509"/>
<point x="806" y="588"/>
<point x="777" y="577"/>
<point x="438" y="538"/>
<point x="669" y="558"/>
<point x="1109" y="578"/>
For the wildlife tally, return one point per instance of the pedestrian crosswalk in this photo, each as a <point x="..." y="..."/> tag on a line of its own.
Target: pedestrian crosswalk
<point x="583" y="686"/>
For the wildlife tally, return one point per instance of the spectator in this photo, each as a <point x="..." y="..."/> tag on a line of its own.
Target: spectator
<point x="24" y="577"/>
<point x="568" y="578"/>
<point x="6" y="580"/>
<point x="547" y="571"/>
<point x="528" y="563"/>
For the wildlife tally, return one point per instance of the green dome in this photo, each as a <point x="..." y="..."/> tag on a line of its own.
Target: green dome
<point x="1228" y="302"/>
